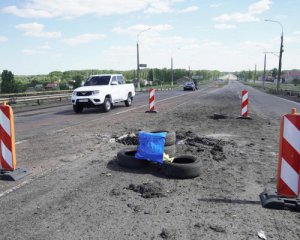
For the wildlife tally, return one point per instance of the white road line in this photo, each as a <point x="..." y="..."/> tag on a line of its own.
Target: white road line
<point x="131" y="109"/>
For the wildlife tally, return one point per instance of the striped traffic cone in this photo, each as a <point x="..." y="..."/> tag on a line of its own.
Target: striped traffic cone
<point x="152" y="103"/>
<point x="8" y="161"/>
<point x="288" y="180"/>
<point x="244" y="105"/>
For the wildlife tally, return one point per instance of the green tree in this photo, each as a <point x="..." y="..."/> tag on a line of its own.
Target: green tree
<point x="78" y="80"/>
<point x="8" y="82"/>
<point x="274" y="73"/>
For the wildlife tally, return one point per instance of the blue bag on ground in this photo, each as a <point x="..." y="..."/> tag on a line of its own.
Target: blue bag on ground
<point x="151" y="146"/>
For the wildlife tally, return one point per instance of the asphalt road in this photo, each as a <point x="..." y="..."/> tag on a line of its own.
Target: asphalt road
<point x="44" y="121"/>
<point x="77" y="191"/>
<point x="265" y="103"/>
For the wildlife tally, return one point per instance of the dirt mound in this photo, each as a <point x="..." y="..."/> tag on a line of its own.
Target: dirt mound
<point x="149" y="190"/>
<point x="127" y="139"/>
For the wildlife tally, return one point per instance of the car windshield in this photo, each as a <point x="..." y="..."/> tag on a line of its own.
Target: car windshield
<point x="97" y="80"/>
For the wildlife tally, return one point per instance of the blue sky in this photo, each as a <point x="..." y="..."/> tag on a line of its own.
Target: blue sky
<point x="40" y="36"/>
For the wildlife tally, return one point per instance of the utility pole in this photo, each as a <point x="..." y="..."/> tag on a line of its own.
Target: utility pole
<point x="280" y="53"/>
<point x="138" y="58"/>
<point x="172" y="74"/>
<point x="264" y="76"/>
<point x="255" y="74"/>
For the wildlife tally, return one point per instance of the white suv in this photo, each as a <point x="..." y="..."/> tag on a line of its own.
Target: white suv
<point x="102" y="90"/>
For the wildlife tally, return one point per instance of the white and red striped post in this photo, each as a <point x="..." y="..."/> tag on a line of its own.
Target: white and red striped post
<point x="288" y="181"/>
<point x="7" y="139"/>
<point x="152" y="103"/>
<point x="245" y="104"/>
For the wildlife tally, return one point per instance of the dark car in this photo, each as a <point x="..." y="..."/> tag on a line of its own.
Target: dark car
<point x="189" y="86"/>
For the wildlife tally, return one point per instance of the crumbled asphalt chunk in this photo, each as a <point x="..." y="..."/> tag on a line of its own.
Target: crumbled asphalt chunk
<point x="128" y="139"/>
<point x="167" y="234"/>
<point x="149" y="190"/>
<point x="218" y="116"/>
<point x="135" y="208"/>
<point x="217" y="228"/>
<point x="115" y="192"/>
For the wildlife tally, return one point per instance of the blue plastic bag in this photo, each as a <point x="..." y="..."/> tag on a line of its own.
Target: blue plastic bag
<point x="151" y="146"/>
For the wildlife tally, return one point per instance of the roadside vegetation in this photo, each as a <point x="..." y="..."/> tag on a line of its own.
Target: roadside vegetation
<point x="69" y="80"/>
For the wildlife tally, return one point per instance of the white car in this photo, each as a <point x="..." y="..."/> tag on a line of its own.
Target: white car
<point x="102" y="90"/>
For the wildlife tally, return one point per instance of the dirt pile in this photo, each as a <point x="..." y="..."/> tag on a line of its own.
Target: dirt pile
<point x="149" y="190"/>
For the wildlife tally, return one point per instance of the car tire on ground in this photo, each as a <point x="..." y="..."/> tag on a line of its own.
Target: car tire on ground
<point x="77" y="109"/>
<point x="170" y="137"/>
<point x="170" y="151"/>
<point x="128" y="102"/>
<point x="126" y="158"/>
<point x="182" y="167"/>
<point x="107" y="104"/>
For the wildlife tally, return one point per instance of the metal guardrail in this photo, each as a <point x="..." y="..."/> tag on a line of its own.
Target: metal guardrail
<point x="14" y="101"/>
<point x="38" y="98"/>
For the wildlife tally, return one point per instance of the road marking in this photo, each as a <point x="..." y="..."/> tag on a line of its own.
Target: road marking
<point x="131" y="109"/>
<point x="19" y="142"/>
<point x="14" y="188"/>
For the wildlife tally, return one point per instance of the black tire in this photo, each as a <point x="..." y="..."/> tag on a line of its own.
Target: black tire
<point x="107" y="104"/>
<point x="170" y="150"/>
<point x="170" y="137"/>
<point x="128" y="102"/>
<point x="182" y="167"/>
<point x="125" y="158"/>
<point x="77" y="109"/>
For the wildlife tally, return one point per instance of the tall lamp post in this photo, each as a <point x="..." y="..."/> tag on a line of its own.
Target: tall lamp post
<point x="172" y="72"/>
<point x="280" y="53"/>
<point x="138" y="58"/>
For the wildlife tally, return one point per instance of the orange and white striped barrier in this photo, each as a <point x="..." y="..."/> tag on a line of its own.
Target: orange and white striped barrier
<point x="8" y="163"/>
<point x="288" y="181"/>
<point x="288" y="176"/>
<point x="244" y="103"/>
<point x="7" y="138"/>
<point x="152" y="103"/>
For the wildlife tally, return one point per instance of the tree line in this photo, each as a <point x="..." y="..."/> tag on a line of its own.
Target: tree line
<point x="11" y="83"/>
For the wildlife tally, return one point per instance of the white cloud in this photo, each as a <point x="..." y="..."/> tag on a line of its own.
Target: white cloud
<point x="38" y="50"/>
<point x="83" y="39"/>
<point x="76" y="8"/>
<point x="259" y="7"/>
<point x="248" y="16"/>
<point x="37" y="30"/>
<point x="3" y="39"/>
<point x="224" y="26"/>
<point x="32" y="51"/>
<point x="296" y="33"/>
<point x="189" y="9"/>
<point x="215" y="5"/>
<point x="135" y="29"/>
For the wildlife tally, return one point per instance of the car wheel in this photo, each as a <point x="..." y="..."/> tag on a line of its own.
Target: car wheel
<point x="128" y="102"/>
<point x="170" y="151"/>
<point x="107" y="105"/>
<point x="170" y="137"/>
<point x="126" y="158"/>
<point x="77" y="109"/>
<point x="182" y="167"/>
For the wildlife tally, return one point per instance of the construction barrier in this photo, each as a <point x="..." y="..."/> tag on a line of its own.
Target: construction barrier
<point x="288" y="181"/>
<point x="244" y="103"/>
<point x="152" y="103"/>
<point x="7" y="138"/>
<point x="289" y="156"/>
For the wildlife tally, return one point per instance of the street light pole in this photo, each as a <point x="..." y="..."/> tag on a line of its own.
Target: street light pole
<point x="280" y="53"/>
<point x="172" y="71"/>
<point x="138" y="58"/>
<point x="264" y="76"/>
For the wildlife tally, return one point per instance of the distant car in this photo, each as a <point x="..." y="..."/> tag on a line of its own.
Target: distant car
<point x="189" y="86"/>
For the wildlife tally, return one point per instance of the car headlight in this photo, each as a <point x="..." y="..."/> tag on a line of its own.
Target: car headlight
<point x="74" y="93"/>
<point x="95" y="92"/>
